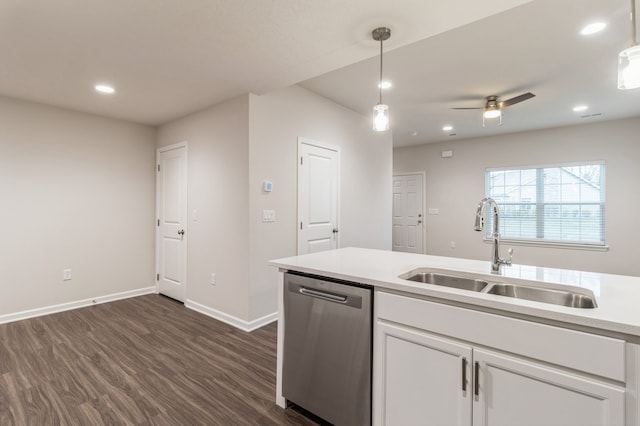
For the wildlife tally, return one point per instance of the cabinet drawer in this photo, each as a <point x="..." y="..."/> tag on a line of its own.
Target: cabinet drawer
<point x="599" y="355"/>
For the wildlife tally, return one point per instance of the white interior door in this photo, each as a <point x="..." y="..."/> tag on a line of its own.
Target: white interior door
<point x="408" y="215"/>
<point x="171" y="239"/>
<point x="318" y="176"/>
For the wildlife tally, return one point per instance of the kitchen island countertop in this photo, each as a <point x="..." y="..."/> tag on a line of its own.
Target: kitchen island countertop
<point x="618" y="296"/>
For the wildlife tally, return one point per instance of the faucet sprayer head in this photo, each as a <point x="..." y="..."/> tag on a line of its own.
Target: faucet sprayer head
<point x="479" y="217"/>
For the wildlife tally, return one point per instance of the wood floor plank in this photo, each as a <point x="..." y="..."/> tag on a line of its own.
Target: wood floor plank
<point x="141" y="361"/>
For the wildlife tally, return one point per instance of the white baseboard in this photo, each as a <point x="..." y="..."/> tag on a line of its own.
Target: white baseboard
<point x="243" y="325"/>
<point x="32" y="313"/>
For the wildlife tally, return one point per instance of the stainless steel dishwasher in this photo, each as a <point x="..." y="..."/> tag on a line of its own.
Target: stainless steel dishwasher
<point x="327" y="348"/>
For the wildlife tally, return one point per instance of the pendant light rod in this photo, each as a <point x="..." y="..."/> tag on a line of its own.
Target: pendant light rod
<point x="634" y="36"/>
<point x="380" y="81"/>
<point x="381" y="111"/>
<point x="381" y="34"/>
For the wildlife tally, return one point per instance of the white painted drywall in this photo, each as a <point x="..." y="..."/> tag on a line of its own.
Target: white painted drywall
<point x="218" y="175"/>
<point x="76" y="192"/>
<point x="276" y="121"/>
<point x="455" y="185"/>
<point x="233" y="148"/>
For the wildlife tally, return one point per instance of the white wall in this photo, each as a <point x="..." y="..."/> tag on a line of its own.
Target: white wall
<point x="76" y="191"/>
<point x="455" y="185"/>
<point x="218" y="174"/>
<point x="276" y="121"/>
<point x="233" y="148"/>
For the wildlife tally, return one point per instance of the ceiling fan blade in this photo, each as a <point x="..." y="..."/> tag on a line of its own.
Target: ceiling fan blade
<point x="517" y="99"/>
<point x="467" y="108"/>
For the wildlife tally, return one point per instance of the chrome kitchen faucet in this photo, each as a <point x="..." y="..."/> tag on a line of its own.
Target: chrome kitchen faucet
<point x="496" y="261"/>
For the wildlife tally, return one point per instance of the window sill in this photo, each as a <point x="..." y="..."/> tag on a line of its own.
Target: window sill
<point x="570" y="246"/>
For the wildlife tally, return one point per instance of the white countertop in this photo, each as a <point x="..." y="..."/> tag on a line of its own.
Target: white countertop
<point x="618" y="296"/>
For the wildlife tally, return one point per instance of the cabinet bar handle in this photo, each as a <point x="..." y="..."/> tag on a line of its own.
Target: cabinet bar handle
<point x="464" y="374"/>
<point x="476" y="380"/>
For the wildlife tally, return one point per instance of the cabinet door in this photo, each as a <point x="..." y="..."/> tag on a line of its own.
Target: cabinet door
<point x="516" y="392"/>
<point x="418" y="379"/>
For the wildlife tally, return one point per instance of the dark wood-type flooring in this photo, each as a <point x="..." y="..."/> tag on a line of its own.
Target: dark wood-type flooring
<point x="144" y="360"/>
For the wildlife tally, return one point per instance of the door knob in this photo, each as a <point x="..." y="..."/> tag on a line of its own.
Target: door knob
<point x="181" y="233"/>
<point x="335" y="230"/>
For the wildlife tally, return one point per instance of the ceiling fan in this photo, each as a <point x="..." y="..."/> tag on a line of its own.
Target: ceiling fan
<point x="493" y="107"/>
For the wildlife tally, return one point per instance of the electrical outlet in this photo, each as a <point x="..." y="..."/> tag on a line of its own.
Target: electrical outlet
<point x="66" y="275"/>
<point x="213" y="279"/>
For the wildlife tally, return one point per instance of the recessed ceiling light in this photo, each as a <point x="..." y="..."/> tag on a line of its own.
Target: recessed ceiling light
<point x="593" y="28"/>
<point x="580" y="108"/>
<point x="447" y="128"/>
<point x="103" y="88"/>
<point x="384" y="85"/>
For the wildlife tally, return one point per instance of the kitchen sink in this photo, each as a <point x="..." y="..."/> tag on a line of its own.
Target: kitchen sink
<point x="555" y="294"/>
<point x="568" y="298"/>
<point x="445" y="280"/>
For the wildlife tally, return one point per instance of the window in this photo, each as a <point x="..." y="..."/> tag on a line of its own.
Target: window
<point x="553" y="204"/>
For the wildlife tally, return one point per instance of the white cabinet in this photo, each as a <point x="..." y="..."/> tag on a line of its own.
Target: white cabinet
<point x="423" y="378"/>
<point x="517" y="392"/>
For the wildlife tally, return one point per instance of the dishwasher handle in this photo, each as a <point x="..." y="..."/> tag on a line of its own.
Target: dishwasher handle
<point x="345" y="295"/>
<point x="323" y="295"/>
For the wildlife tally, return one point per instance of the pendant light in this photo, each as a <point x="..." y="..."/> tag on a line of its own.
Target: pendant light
<point x="629" y="59"/>
<point x="381" y="111"/>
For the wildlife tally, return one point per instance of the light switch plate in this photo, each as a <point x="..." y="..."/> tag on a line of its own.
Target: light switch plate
<point x="268" y="215"/>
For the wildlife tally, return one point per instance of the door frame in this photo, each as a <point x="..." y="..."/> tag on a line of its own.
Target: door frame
<point x="185" y="146"/>
<point x="424" y="204"/>
<point x="305" y="141"/>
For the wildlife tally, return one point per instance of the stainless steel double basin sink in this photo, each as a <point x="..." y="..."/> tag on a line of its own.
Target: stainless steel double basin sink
<point x="562" y="295"/>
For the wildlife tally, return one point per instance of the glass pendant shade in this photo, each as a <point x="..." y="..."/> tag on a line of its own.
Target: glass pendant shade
<point x="629" y="68"/>
<point x="381" y="118"/>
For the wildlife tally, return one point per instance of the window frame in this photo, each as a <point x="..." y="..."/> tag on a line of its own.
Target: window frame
<point x="540" y="241"/>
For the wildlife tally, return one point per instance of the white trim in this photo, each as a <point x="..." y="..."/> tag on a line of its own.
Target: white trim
<point x="550" y="165"/>
<point x="243" y="325"/>
<point x="551" y="244"/>
<point x="317" y="144"/>
<point x="280" y="399"/>
<point x="424" y="205"/>
<point x="329" y="147"/>
<point x="179" y="145"/>
<point x="540" y="214"/>
<point x="47" y="310"/>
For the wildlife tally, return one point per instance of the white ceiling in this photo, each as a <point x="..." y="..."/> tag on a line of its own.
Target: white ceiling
<point x="168" y="58"/>
<point x="535" y="47"/>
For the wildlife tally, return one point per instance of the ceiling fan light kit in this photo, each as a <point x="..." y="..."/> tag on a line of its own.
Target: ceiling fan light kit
<point x="493" y="108"/>
<point x="490" y="114"/>
<point x="381" y="111"/>
<point x="629" y="59"/>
